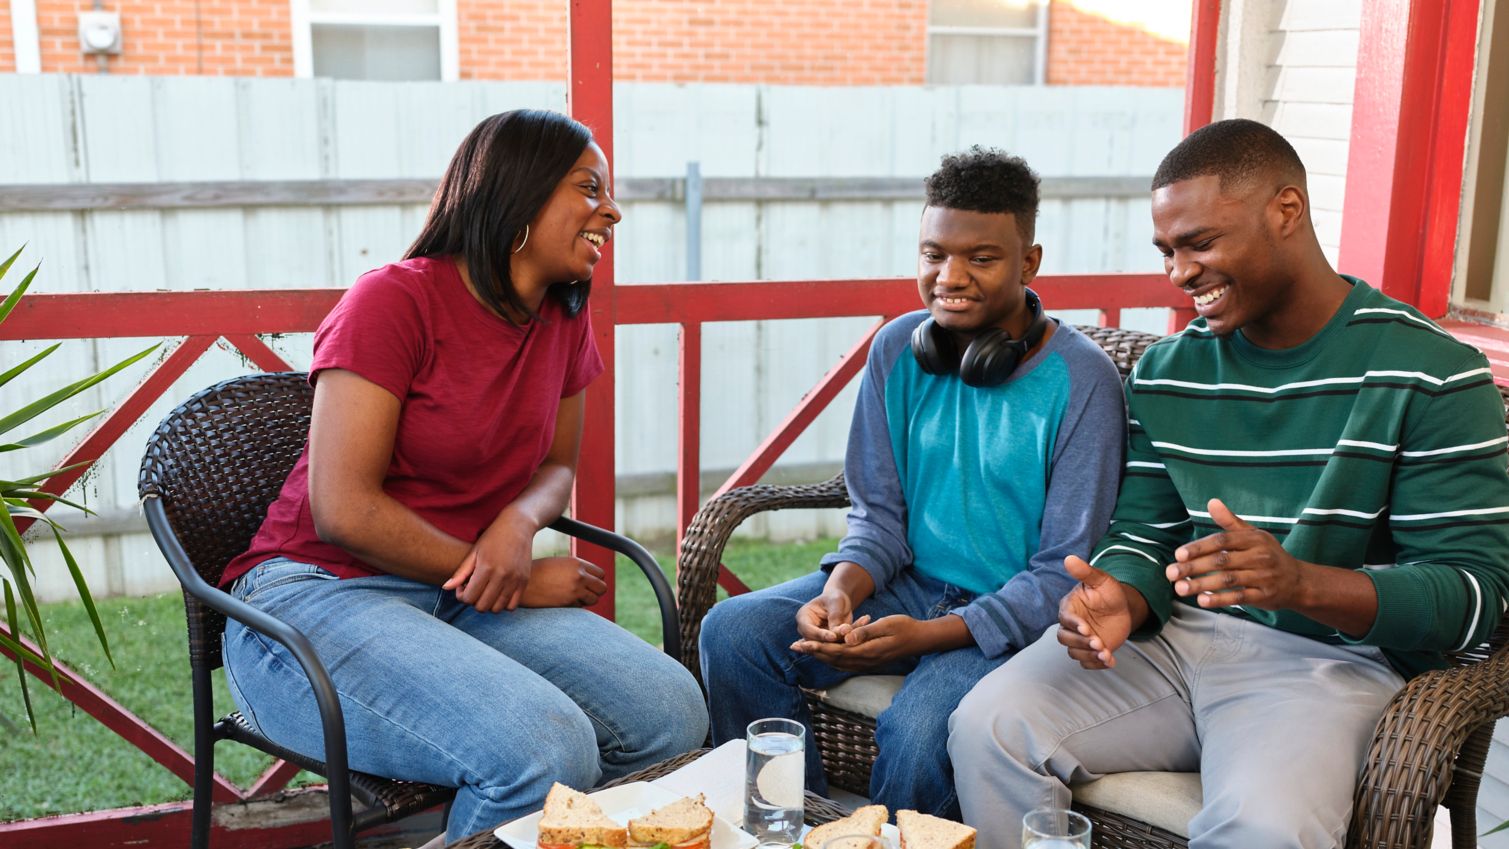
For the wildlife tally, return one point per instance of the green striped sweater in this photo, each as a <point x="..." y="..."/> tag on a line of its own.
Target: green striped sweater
<point x="1379" y="444"/>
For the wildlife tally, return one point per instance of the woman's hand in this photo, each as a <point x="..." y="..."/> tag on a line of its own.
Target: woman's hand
<point x="495" y="572"/>
<point x="564" y="582"/>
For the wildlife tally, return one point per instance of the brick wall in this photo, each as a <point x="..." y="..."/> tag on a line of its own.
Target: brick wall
<point x="1086" y="48"/>
<point x="249" y="38"/>
<point x="7" y="43"/>
<point x="517" y="40"/>
<point x="811" y="42"/>
<point x="806" y="42"/>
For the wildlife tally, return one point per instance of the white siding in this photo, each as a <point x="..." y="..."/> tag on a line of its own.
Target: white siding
<point x="1310" y="99"/>
<point x="1292" y="65"/>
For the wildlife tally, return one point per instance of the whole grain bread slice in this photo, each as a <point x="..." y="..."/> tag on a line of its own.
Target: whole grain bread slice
<point x="570" y="818"/>
<point x="682" y="821"/>
<point x="924" y="831"/>
<point x="866" y="820"/>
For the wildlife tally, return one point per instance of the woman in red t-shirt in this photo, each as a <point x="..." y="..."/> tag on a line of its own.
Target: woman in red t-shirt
<point x="447" y="420"/>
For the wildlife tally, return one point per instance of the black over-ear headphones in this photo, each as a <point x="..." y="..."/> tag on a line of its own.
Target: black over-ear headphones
<point x="991" y="356"/>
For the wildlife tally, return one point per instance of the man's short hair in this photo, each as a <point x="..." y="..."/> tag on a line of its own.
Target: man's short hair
<point x="1237" y="150"/>
<point x="984" y="179"/>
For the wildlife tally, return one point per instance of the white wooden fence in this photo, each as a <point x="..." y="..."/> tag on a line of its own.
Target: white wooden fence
<point x="107" y="130"/>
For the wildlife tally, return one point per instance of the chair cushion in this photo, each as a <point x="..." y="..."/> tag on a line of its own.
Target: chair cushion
<point x="866" y="695"/>
<point x="1166" y="800"/>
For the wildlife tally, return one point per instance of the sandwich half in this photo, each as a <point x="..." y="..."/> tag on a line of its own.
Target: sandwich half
<point x="866" y="820"/>
<point x="571" y="820"/>
<point x="923" y="831"/>
<point x="684" y="824"/>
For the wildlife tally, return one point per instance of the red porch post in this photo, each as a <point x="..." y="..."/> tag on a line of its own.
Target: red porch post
<point x="1409" y="127"/>
<point x="1200" y="80"/>
<point x="590" y="100"/>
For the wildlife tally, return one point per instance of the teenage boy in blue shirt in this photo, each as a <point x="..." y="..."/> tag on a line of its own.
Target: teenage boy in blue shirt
<point x="986" y="446"/>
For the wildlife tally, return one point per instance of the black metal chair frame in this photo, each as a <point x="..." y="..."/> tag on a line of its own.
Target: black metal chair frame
<point x="172" y="455"/>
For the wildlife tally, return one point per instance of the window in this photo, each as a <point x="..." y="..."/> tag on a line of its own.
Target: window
<point x="1000" y="42"/>
<point x="375" y="39"/>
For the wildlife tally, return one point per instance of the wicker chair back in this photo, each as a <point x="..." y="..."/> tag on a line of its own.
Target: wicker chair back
<point x="218" y="461"/>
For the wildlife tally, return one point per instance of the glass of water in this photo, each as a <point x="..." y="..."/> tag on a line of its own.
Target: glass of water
<point x="1055" y="828"/>
<point x="774" y="778"/>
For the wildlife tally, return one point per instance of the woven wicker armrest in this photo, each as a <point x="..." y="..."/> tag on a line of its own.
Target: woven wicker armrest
<point x="1433" y="736"/>
<point x="702" y="547"/>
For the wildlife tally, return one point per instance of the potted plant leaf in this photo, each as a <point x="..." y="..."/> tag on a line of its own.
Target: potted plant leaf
<point x="23" y="496"/>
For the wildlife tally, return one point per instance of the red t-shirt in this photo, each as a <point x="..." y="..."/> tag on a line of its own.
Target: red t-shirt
<point x="479" y="399"/>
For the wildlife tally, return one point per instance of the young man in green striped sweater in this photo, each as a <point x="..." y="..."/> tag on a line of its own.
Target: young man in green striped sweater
<point x="1314" y="508"/>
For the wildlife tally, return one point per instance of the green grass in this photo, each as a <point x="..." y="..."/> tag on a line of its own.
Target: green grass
<point x="74" y="763"/>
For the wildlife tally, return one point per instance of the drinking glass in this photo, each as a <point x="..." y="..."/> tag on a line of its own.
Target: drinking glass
<point x="852" y="841"/>
<point x="774" y="778"/>
<point x="1055" y="828"/>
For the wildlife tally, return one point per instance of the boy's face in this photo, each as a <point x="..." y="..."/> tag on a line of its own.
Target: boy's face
<point x="972" y="270"/>
<point x="1220" y="246"/>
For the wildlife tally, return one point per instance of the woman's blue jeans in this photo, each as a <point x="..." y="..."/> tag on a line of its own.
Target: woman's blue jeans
<point x="751" y="672"/>
<point x="498" y="705"/>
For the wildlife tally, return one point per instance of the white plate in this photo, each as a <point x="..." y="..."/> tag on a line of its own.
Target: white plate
<point x="622" y="804"/>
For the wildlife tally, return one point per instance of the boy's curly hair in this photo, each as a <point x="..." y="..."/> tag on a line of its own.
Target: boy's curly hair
<point x="985" y="179"/>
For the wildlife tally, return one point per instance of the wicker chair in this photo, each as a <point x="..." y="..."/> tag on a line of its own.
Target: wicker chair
<point x="210" y="471"/>
<point x="1428" y="750"/>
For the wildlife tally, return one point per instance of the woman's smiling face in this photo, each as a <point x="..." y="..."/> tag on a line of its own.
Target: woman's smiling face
<point x="567" y="237"/>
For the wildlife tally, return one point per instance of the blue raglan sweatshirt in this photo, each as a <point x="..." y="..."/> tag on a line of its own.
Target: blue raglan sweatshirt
<point x="984" y="488"/>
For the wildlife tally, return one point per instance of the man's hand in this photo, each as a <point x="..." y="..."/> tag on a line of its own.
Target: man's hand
<point x="1096" y="617"/>
<point x="827" y="618"/>
<point x="564" y="582"/>
<point x="1239" y="565"/>
<point x="867" y="647"/>
<point x="493" y="575"/>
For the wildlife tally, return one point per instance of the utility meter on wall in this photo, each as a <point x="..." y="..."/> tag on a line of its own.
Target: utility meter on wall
<point x="100" y="32"/>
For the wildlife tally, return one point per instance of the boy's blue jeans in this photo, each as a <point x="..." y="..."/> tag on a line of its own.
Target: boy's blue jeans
<point x="751" y="672"/>
<point x="498" y="705"/>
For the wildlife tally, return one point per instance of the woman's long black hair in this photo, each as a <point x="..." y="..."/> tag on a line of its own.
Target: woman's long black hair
<point x="498" y="181"/>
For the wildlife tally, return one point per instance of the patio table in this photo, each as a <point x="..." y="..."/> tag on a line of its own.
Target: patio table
<point x="818" y="809"/>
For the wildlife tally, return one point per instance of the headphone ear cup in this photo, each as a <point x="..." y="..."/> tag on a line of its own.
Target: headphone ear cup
<point x="990" y="358"/>
<point x="934" y="348"/>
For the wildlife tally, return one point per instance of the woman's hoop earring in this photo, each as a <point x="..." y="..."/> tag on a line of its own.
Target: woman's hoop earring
<point x="526" y="240"/>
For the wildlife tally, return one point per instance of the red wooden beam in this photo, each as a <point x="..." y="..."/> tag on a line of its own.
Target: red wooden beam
<point x="1448" y="155"/>
<point x="1200" y="80"/>
<point x="589" y="97"/>
<point x="273" y="779"/>
<point x="258" y="352"/>
<point x="1410" y="107"/>
<point x="106" y="315"/>
<point x="120" y="419"/>
<point x="671" y="303"/>
<point x="813" y="403"/>
<point x="252" y="825"/>
<point x="110" y="713"/>
<point x="689" y="433"/>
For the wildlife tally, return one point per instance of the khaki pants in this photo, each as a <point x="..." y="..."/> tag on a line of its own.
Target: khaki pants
<point x="1276" y="724"/>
